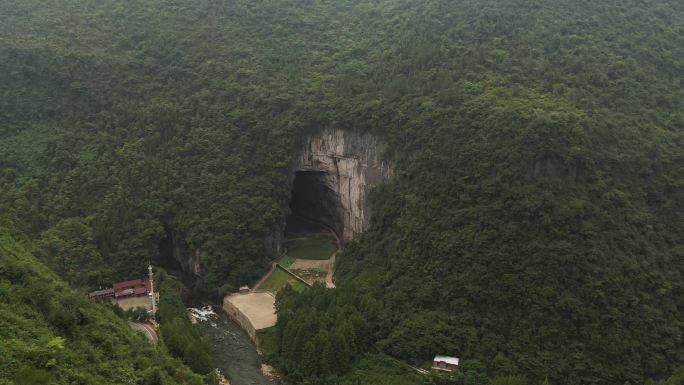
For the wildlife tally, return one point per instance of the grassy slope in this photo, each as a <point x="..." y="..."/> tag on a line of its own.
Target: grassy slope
<point x="52" y="334"/>
<point x="286" y="261"/>
<point x="318" y="247"/>
<point x="279" y="279"/>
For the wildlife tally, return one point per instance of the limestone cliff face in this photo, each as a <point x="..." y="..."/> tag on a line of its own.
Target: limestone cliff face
<point x="190" y="260"/>
<point x="350" y="164"/>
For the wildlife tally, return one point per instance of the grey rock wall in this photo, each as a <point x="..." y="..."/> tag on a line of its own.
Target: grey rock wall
<point x="353" y="163"/>
<point x="189" y="259"/>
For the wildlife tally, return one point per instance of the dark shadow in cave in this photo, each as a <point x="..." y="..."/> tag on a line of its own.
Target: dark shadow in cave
<point x="166" y="259"/>
<point x="313" y="204"/>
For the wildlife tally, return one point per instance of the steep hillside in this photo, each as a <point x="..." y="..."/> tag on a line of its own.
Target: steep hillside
<point x="52" y="334"/>
<point x="535" y="223"/>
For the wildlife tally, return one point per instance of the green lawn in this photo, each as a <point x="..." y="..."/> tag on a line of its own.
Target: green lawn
<point x="317" y="247"/>
<point x="278" y="280"/>
<point x="286" y="261"/>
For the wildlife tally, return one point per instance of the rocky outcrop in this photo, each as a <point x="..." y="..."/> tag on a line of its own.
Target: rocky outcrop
<point x="348" y="164"/>
<point x="190" y="260"/>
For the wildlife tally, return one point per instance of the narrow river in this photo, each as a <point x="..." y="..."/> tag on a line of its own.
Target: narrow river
<point x="234" y="353"/>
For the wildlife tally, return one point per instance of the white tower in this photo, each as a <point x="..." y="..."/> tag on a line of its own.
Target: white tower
<point x="154" y="303"/>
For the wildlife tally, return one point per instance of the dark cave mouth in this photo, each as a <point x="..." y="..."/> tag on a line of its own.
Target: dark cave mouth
<point x="166" y="258"/>
<point x="314" y="206"/>
<point x="172" y="248"/>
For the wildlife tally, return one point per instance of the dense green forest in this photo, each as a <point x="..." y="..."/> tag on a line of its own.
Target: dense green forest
<point x="49" y="333"/>
<point x="535" y="227"/>
<point x="180" y="336"/>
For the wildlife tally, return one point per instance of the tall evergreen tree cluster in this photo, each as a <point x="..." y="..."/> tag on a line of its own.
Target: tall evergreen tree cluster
<point x="320" y="332"/>
<point x="180" y="336"/>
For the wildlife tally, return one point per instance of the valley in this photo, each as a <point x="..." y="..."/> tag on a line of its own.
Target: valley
<point x="308" y="258"/>
<point x="234" y="352"/>
<point x="376" y="192"/>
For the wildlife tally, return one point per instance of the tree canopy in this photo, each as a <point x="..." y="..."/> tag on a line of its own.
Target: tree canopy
<point x="535" y="227"/>
<point x="52" y="334"/>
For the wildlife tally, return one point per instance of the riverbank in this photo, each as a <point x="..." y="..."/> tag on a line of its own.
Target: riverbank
<point x="233" y="352"/>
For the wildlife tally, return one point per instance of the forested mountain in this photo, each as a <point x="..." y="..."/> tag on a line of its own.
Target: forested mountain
<point x="535" y="227"/>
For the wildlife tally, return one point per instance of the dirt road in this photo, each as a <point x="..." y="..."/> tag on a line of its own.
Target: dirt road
<point x="331" y="269"/>
<point x="148" y="329"/>
<point x="265" y="277"/>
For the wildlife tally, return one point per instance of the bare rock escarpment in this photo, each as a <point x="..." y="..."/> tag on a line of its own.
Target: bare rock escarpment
<point x="334" y="174"/>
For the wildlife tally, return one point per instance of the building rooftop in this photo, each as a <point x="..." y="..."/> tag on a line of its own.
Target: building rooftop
<point x="128" y="284"/>
<point x="140" y="290"/>
<point x="447" y="359"/>
<point x="124" y="293"/>
<point x="101" y="292"/>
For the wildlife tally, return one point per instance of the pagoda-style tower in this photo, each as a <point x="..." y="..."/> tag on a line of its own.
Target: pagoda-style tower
<point x="154" y="302"/>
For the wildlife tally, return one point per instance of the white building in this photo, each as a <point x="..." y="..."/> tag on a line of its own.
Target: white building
<point x="445" y="363"/>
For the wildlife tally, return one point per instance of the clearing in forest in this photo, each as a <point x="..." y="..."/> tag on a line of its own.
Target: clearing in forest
<point x="277" y="280"/>
<point x="311" y="258"/>
<point x="311" y="270"/>
<point x="303" y="264"/>
<point x="286" y="261"/>
<point x="128" y="303"/>
<point x="320" y="246"/>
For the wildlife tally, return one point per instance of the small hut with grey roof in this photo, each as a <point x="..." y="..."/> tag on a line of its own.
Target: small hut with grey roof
<point x="445" y="363"/>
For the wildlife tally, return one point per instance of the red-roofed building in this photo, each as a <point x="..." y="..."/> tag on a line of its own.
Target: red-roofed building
<point x="124" y="293"/>
<point x="133" y="287"/>
<point x="102" y="294"/>
<point x="140" y="290"/>
<point x="132" y="294"/>
<point x="132" y="284"/>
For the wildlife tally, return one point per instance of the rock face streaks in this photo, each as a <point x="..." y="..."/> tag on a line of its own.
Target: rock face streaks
<point x="340" y="168"/>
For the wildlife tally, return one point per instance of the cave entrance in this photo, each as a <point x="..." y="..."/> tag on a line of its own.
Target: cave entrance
<point x="314" y="206"/>
<point x="166" y="257"/>
<point x="171" y="250"/>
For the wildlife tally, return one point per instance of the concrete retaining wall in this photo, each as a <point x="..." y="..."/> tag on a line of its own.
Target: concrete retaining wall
<point x="241" y="319"/>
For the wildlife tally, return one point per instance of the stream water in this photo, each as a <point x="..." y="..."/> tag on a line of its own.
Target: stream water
<point x="234" y="353"/>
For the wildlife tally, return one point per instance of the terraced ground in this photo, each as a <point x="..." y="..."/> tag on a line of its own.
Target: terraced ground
<point x="311" y="270"/>
<point x="310" y="258"/>
<point x="277" y="280"/>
